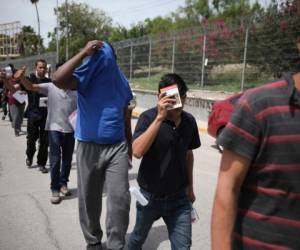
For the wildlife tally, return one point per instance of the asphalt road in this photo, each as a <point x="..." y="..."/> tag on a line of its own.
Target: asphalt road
<point x="28" y="220"/>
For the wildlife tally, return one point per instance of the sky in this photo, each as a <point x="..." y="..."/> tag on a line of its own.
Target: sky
<point x="123" y="12"/>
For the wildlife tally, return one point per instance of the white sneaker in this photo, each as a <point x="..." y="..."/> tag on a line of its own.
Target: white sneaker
<point x="65" y="191"/>
<point x="55" y="198"/>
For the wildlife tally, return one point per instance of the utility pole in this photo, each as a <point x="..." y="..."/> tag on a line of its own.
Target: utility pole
<point x="245" y="58"/>
<point x="248" y="22"/>
<point x="39" y="28"/>
<point x="173" y="53"/>
<point x="149" y="58"/>
<point x="57" y="35"/>
<point x="203" y="60"/>
<point x="131" y="62"/>
<point x="67" y="31"/>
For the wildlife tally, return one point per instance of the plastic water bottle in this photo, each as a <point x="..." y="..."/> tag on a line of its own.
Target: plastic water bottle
<point x="136" y="193"/>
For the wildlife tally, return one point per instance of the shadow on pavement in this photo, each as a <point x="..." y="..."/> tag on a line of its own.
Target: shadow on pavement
<point x="74" y="166"/>
<point x="33" y="166"/>
<point x="73" y="195"/>
<point x="156" y="236"/>
<point x="132" y="176"/>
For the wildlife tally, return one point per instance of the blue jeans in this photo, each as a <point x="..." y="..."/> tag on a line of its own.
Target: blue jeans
<point x="61" y="150"/>
<point x="176" y="213"/>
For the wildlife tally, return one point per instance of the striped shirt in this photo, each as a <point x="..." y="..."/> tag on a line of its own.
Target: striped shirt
<point x="265" y="128"/>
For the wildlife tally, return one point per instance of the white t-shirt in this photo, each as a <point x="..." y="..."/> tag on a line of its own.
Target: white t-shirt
<point x="61" y="103"/>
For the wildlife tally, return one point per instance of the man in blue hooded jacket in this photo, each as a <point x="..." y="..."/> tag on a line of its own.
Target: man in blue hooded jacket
<point x="103" y="132"/>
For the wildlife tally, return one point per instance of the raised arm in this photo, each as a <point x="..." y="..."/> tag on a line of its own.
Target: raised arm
<point x="233" y="170"/>
<point x="63" y="78"/>
<point x="8" y="85"/>
<point x="142" y="144"/>
<point x="20" y="75"/>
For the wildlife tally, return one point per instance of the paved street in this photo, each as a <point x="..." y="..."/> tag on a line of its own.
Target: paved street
<point x="29" y="222"/>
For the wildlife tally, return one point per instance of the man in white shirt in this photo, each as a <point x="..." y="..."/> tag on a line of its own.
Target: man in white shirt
<point x="61" y="104"/>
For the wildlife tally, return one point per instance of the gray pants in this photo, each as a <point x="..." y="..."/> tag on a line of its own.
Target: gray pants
<point x="17" y="112"/>
<point x="98" y="163"/>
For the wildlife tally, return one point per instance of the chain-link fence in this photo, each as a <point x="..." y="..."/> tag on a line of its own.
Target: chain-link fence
<point x="220" y="56"/>
<point x="29" y="62"/>
<point x="216" y="56"/>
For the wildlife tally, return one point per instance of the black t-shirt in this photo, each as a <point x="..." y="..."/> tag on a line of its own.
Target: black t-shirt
<point x="163" y="167"/>
<point x="33" y="109"/>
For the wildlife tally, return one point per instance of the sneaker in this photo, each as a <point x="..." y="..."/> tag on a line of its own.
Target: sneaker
<point x="3" y="118"/>
<point x="65" y="191"/>
<point x="43" y="169"/>
<point x="55" y="198"/>
<point x="17" y="132"/>
<point x="28" y="162"/>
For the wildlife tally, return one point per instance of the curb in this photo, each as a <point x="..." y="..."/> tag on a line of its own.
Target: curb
<point x="136" y="114"/>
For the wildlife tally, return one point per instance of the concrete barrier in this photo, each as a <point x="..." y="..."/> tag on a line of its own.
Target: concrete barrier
<point x="197" y="106"/>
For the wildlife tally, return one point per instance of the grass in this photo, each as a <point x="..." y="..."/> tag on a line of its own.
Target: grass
<point x="228" y="82"/>
<point x="149" y="83"/>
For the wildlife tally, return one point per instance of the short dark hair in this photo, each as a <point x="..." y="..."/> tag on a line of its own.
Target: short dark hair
<point x="170" y="79"/>
<point x="13" y="69"/>
<point x="40" y="60"/>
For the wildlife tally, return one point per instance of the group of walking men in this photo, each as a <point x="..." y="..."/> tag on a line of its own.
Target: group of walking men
<point x="257" y="197"/>
<point x="48" y="110"/>
<point x="165" y="139"/>
<point x="104" y="151"/>
<point x="10" y="105"/>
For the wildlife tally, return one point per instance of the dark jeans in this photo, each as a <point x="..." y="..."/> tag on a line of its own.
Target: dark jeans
<point x="17" y="112"/>
<point x="61" y="150"/>
<point x="36" y="131"/>
<point x="176" y="213"/>
<point x="4" y="108"/>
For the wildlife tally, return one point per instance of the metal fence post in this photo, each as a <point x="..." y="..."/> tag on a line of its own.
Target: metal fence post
<point x="203" y="59"/>
<point x="131" y="61"/>
<point x="57" y="35"/>
<point x="245" y="58"/>
<point x="173" y="53"/>
<point x="67" y="30"/>
<point x="149" y="57"/>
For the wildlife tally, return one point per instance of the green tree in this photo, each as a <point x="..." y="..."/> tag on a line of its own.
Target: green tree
<point x="273" y="41"/>
<point x="38" y="22"/>
<point x="137" y="30"/>
<point x="147" y="27"/>
<point x="29" y="42"/>
<point x="119" y="33"/>
<point x="158" y="24"/>
<point x="192" y="13"/>
<point x="82" y="23"/>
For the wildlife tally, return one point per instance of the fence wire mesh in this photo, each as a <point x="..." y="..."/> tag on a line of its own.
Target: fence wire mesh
<point x="233" y="56"/>
<point x="216" y="56"/>
<point x="29" y="62"/>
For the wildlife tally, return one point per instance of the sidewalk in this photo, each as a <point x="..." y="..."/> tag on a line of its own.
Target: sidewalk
<point x="29" y="221"/>
<point x="209" y="95"/>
